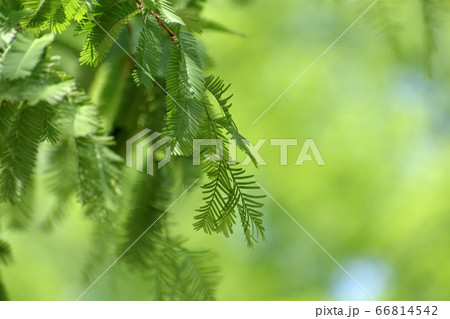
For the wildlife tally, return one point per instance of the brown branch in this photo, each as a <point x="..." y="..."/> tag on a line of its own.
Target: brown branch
<point x="139" y="2"/>
<point x="161" y="22"/>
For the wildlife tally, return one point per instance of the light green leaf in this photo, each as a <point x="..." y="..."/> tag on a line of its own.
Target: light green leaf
<point x="23" y="56"/>
<point x="148" y="53"/>
<point x="168" y="12"/>
<point x="110" y="18"/>
<point x="51" y="94"/>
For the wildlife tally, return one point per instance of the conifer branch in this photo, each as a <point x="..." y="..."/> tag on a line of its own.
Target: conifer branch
<point x="141" y="5"/>
<point x="161" y="22"/>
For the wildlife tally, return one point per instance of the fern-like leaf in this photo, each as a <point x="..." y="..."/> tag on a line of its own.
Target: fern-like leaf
<point x="168" y="12"/>
<point x="18" y="154"/>
<point x="185" y="85"/>
<point x="148" y="53"/>
<point x="52" y="94"/>
<point x="65" y="12"/>
<point x="8" y="112"/>
<point x="78" y="116"/>
<point x="25" y="53"/>
<point x="229" y="192"/>
<point x="179" y="274"/>
<point x="49" y="131"/>
<point x="218" y="89"/>
<point x="40" y="9"/>
<point x="61" y="178"/>
<point x="11" y="14"/>
<point x="110" y="17"/>
<point x="98" y="175"/>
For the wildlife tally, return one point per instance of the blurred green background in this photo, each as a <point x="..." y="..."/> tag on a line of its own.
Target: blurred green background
<point x="379" y="111"/>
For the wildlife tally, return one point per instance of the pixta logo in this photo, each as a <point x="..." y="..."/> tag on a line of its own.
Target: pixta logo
<point x="143" y="146"/>
<point x="145" y="149"/>
<point x="308" y="150"/>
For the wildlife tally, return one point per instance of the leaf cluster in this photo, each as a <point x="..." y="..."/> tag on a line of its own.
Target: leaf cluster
<point x="45" y="114"/>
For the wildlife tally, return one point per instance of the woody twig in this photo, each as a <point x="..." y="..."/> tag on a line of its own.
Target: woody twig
<point x="139" y="2"/>
<point x="161" y="22"/>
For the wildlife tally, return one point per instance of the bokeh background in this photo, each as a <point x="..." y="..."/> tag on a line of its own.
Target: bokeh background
<point x="377" y="106"/>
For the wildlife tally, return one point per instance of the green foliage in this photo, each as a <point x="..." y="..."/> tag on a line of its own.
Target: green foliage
<point x="185" y="93"/>
<point x="179" y="274"/>
<point x="65" y="12"/>
<point x="217" y="88"/>
<point x="36" y="109"/>
<point x="61" y="178"/>
<point x="230" y="191"/>
<point x="78" y="116"/>
<point x="103" y="26"/>
<point x="19" y="153"/>
<point x="81" y="162"/>
<point x="55" y="15"/>
<point x="8" y="113"/>
<point x="11" y="15"/>
<point x="21" y="58"/>
<point x="26" y="75"/>
<point x="49" y="125"/>
<point x="167" y="11"/>
<point x="148" y="53"/>
<point x="97" y="174"/>
<point x="40" y="10"/>
<point x="176" y="273"/>
<point x="45" y="114"/>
